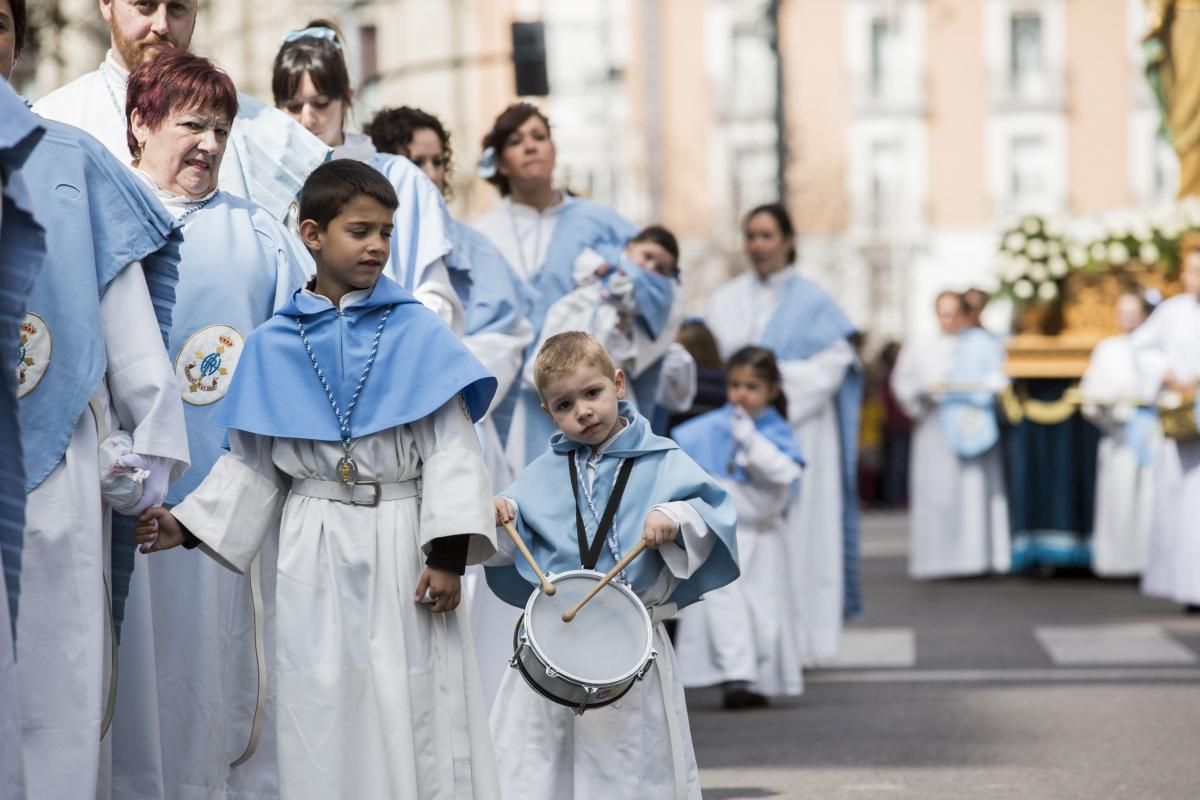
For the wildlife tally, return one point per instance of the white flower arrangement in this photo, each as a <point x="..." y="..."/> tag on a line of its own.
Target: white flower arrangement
<point x="1037" y="254"/>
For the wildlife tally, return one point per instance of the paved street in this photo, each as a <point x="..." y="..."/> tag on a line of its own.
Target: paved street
<point x="1068" y="687"/>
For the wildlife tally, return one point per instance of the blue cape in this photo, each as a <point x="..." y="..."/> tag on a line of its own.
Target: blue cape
<point x="493" y="295"/>
<point x="806" y="321"/>
<point x="238" y="266"/>
<point x="581" y="224"/>
<point x="968" y="419"/>
<point x="22" y="248"/>
<point x="709" y="441"/>
<point x="662" y="473"/>
<point x="420" y="366"/>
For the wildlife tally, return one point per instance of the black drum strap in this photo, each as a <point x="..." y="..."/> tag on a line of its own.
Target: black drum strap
<point x="590" y="554"/>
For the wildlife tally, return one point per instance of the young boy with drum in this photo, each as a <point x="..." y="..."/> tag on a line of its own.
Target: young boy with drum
<point x="366" y="463"/>
<point x="605" y="488"/>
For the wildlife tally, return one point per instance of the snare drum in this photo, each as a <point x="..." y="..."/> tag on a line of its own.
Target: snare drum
<point x="593" y="660"/>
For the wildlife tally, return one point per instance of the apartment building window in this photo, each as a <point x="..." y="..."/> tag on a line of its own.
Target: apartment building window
<point x="368" y="47"/>
<point x="1029" y="170"/>
<point x="884" y="189"/>
<point x="883" y="38"/>
<point x="1027" y="63"/>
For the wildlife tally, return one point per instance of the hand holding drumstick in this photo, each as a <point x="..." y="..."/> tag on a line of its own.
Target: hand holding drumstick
<point x="505" y="517"/>
<point x="658" y="530"/>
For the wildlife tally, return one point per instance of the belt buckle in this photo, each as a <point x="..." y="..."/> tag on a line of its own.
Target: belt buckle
<point x="374" y="501"/>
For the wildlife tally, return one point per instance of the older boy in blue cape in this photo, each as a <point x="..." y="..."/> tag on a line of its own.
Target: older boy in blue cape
<point x="368" y="466"/>
<point x="642" y="748"/>
<point x="92" y="340"/>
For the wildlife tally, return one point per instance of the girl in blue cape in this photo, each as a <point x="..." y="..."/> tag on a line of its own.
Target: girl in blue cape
<point x="741" y="637"/>
<point x="639" y="748"/>
<point x="369" y="467"/>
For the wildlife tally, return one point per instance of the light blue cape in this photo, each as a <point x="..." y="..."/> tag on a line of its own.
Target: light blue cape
<point x="968" y="419"/>
<point x="493" y="295"/>
<point x="22" y="248"/>
<point x="807" y="321"/>
<point x="708" y="439"/>
<point x="662" y="473"/>
<point x="420" y="366"/>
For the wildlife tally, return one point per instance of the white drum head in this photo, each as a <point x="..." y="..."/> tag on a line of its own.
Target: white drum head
<point x="608" y="640"/>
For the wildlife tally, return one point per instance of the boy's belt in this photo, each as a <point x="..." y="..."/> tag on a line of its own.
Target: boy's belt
<point x="361" y="493"/>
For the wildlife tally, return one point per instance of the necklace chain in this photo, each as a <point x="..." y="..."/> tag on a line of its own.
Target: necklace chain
<point x="344" y="420"/>
<point x="537" y="242"/>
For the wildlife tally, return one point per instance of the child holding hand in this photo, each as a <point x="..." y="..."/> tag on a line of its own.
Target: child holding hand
<point x="639" y="747"/>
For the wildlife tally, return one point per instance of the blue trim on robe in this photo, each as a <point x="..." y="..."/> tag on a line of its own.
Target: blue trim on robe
<point x="1140" y="431"/>
<point x="708" y="439"/>
<point x="22" y="250"/>
<point x="581" y="224"/>
<point x="806" y="321"/>
<point x="968" y="419"/>
<point x="662" y="473"/>
<point x="422" y="224"/>
<point x="276" y="392"/>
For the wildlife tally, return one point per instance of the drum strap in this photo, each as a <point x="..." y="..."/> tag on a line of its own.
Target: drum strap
<point x="590" y="554"/>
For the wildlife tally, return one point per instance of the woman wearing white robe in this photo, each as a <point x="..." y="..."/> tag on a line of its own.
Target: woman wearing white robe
<point x="1168" y="352"/>
<point x="738" y="315"/>
<point x="958" y="509"/>
<point x="1124" y="477"/>
<point x="63" y="632"/>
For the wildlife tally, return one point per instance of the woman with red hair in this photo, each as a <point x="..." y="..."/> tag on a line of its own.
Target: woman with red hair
<point x="237" y="265"/>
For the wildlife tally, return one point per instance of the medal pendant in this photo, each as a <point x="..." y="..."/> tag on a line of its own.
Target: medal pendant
<point x="347" y="470"/>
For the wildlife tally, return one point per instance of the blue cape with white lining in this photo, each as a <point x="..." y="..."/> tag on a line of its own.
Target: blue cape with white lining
<point x="237" y="266"/>
<point x="581" y="224"/>
<point x="807" y="321"/>
<point x="708" y="439"/>
<point x="967" y="418"/>
<point x="662" y="473"/>
<point x="22" y="248"/>
<point x="419" y="367"/>
<point x="493" y="295"/>
<point x="103" y="218"/>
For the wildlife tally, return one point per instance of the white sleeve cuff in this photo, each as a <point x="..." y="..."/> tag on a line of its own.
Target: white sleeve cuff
<point x="693" y="543"/>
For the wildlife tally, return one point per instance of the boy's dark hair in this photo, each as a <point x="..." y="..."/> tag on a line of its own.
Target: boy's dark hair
<point x="335" y="183"/>
<point x="657" y="234"/>
<point x="20" y="17"/>
<point x="763" y="362"/>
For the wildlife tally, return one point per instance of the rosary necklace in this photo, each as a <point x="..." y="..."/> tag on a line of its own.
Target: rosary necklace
<point x="347" y="470"/>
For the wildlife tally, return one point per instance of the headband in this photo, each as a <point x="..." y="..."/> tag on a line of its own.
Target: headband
<point x="318" y="32"/>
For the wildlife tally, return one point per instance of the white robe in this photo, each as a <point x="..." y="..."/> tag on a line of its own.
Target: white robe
<point x="63" y="636"/>
<point x="1124" y="488"/>
<point x="741" y="632"/>
<point x="639" y="748"/>
<point x="958" y="511"/>
<point x="1170" y="341"/>
<point x="738" y="314"/>
<point x="521" y="233"/>
<point x="376" y="696"/>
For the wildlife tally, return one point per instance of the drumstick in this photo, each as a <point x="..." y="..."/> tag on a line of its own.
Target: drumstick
<point x="570" y="613"/>
<point x="547" y="586"/>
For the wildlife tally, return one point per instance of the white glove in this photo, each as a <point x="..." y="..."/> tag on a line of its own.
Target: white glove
<point x="157" y="475"/>
<point x="121" y="487"/>
<point x="741" y="426"/>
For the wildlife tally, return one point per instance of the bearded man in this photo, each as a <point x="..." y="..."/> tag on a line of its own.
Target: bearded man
<point x="269" y="155"/>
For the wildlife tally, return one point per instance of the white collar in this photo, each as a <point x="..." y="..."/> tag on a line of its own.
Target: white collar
<point x="599" y="450"/>
<point x="177" y="204"/>
<point x="356" y="146"/>
<point x="561" y="199"/>
<point x="113" y="69"/>
<point x="775" y="280"/>
<point x="348" y="299"/>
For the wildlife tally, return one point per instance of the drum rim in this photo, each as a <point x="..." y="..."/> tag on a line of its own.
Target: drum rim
<point x="531" y="641"/>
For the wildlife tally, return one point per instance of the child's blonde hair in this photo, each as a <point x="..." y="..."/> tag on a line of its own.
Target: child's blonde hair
<point x="564" y="353"/>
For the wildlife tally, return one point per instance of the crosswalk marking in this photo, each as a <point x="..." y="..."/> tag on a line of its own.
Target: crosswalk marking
<point x="876" y="647"/>
<point x="1048" y="675"/>
<point x="1100" y="645"/>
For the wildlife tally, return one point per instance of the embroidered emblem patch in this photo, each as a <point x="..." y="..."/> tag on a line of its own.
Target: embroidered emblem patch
<point x="206" y="363"/>
<point x="33" y="354"/>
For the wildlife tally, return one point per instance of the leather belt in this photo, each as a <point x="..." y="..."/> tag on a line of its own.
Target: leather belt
<point x="361" y="493"/>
